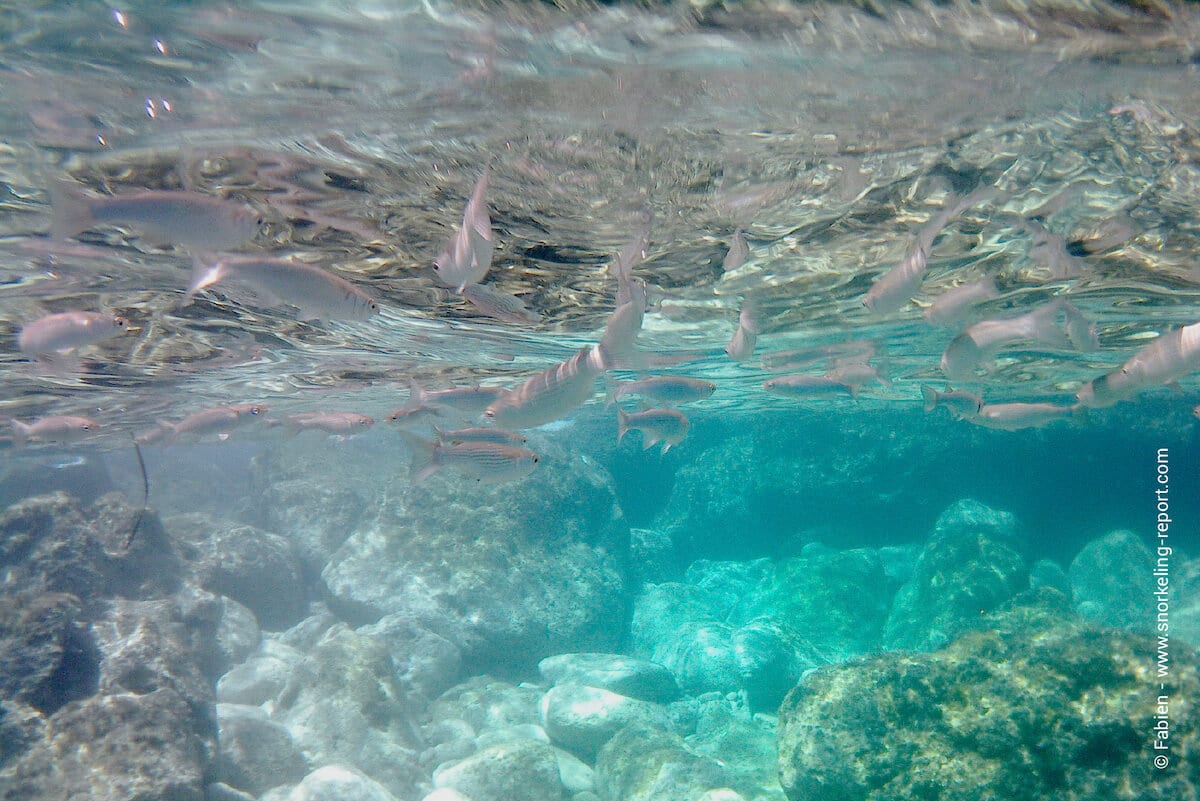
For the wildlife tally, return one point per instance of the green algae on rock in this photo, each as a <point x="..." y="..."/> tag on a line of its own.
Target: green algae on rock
<point x="1033" y="707"/>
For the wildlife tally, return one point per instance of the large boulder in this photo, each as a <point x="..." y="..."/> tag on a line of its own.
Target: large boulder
<point x="968" y="567"/>
<point x="111" y="548"/>
<point x="523" y="769"/>
<point x="343" y="705"/>
<point x="1028" y="705"/>
<point x="1111" y="579"/>
<point x="509" y="573"/>
<point x="113" y="748"/>
<point x="254" y="567"/>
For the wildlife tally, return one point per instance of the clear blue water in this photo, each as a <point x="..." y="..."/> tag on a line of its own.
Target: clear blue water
<point x="834" y="136"/>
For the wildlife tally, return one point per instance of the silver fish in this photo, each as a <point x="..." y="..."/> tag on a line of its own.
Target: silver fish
<point x="668" y="389"/>
<point x="960" y="404"/>
<point x="983" y="339"/>
<point x="854" y="374"/>
<point x="501" y="305"/>
<point x="745" y="336"/>
<point x="618" y="344"/>
<point x="61" y="429"/>
<point x="803" y="386"/>
<point x="165" y="217"/>
<point x="954" y="306"/>
<point x="1080" y="330"/>
<point x="65" y="331"/>
<point x="551" y="394"/>
<point x="1172" y="356"/>
<point x="317" y="293"/>
<point x="468" y="256"/>
<point x="466" y="400"/>
<point x="486" y="462"/>
<point x="668" y="426"/>
<point x="479" y="434"/>
<point x="739" y="251"/>
<point x="414" y="415"/>
<point x="219" y="420"/>
<point x="1015" y="416"/>
<point x="896" y="287"/>
<point x="333" y="422"/>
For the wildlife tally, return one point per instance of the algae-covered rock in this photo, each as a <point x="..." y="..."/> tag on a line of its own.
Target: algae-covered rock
<point x="1031" y="707"/>
<point x="426" y="663"/>
<point x="837" y="601"/>
<point x="113" y="748"/>
<point x="52" y="543"/>
<point x="510" y="573"/>
<point x="48" y="656"/>
<point x="967" y="568"/>
<point x="1111" y="580"/>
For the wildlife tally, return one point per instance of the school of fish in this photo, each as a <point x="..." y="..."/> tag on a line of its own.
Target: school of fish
<point x="232" y="246"/>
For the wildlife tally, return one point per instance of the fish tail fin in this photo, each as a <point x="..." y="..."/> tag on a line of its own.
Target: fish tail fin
<point x="1079" y="414"/>
<point x="930" y="396"/>
<point x="72" y="211"/>
<point x="612" y="390"/>
<point x="1046" y="328"/>
<point x="20" y="433"/>
<point x="424" y="456"/>
<point x="204" y="275"/>
<point x="622" y="424"/>
<point x="416" y="395"/>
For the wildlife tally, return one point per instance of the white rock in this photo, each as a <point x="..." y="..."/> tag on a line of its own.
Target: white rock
<point x="338" y="783"/>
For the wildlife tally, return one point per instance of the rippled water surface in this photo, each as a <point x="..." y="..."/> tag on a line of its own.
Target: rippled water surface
<point x="829" y="134"/>
<point x="797" y="186"/>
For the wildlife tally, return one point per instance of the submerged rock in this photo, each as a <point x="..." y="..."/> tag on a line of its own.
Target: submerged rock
<point x="1030" y="707"/>
<point x="651" y="765"/>
<point x="968" y="517"/>
<point x="963" y="572"/>
<point x="113" y="748"/>
<point x="582" y="719"/>
<point x="338" y="783"/>
<point x="47" y="654"/>
<point x="509" y="573"/>
<point x="521" y="769"/>
<point x="626" y="675"/>
<point x="254" y="567"/>
<point x="426" y="663"/>
<point x="483" y="703"/>
<point x="256" y="754"/>
<point x="342" y="705"/>
<point x="53" y="543"/>
<point x="1112" y="580"/>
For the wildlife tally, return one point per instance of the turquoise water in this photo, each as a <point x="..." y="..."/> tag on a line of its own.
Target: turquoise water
<point x="825" y="591"/>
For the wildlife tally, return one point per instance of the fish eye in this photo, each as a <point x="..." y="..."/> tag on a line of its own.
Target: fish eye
<point x="254" y="410"/>
<point x="536" y="459"/>
<point x="259" y="220"/>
